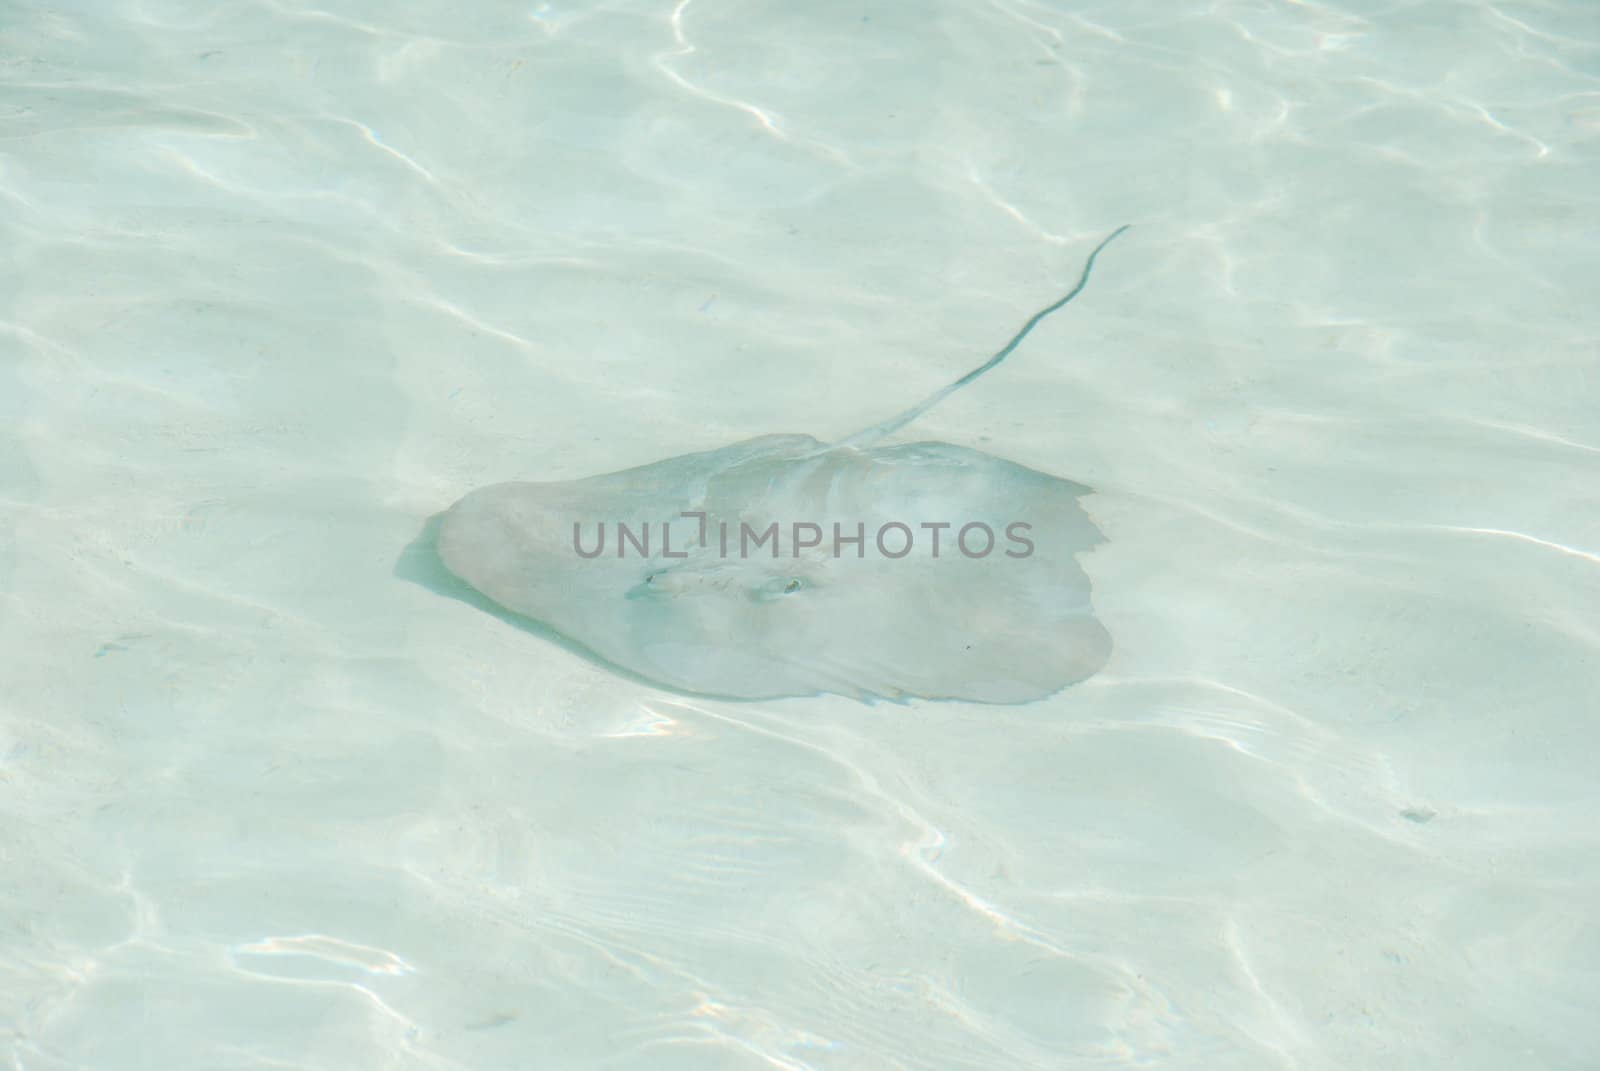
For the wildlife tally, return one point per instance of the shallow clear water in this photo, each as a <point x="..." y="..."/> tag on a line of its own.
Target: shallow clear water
<point x="283" y="280"/>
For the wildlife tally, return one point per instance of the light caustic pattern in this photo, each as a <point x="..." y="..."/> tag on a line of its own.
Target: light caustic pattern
<point x="286" y="277"/>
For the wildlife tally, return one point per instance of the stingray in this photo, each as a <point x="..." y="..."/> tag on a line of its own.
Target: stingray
<point x="785" y="566"/>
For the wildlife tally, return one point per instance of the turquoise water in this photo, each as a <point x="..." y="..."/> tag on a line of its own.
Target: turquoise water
<point x="284" y="280"/>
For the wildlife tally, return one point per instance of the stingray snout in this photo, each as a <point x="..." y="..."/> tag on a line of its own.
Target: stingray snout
<point x="495" y="532"/>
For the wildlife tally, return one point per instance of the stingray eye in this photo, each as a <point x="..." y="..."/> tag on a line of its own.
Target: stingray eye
<point x="777" y="587"/>
<point x="654" y="585"/>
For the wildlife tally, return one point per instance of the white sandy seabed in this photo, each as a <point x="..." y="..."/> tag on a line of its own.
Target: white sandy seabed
<point x="282" y="280"/>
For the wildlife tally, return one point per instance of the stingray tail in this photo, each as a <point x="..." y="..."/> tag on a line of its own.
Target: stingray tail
<point x="895" y="423"/>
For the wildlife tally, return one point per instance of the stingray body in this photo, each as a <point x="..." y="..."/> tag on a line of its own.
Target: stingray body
<point x="784" y="566"/>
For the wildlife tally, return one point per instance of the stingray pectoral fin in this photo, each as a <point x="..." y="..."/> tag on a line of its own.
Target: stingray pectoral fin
<point x="729" y="672"/>
<point x="1001" y="667"/>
